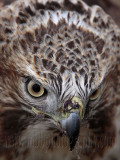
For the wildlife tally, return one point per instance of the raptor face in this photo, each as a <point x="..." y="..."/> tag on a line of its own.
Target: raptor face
<point x="56" y="78"/>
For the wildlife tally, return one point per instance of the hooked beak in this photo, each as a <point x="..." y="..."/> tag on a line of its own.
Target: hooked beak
<point x="72" y="113"/>
<point x="72" y="127"/>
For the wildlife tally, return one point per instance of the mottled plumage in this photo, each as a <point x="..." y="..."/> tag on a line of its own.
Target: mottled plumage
<point x="71" y="50"/>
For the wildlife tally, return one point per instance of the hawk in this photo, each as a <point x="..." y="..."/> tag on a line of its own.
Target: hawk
<point x="59" y="82"/>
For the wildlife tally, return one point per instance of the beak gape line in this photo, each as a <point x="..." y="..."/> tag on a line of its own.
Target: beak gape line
<point x="71" y="115"/>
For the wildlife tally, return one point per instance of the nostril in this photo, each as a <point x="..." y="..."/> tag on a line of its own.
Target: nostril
<point x="76" y="106"/>
<point x="69" y="105"/>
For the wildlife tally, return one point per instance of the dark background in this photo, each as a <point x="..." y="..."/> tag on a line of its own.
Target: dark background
<point x="112" y="7"/>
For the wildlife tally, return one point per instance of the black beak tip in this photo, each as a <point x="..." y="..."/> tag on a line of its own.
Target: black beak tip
<point x="72" y="129"/>
<point x="72" y="143"/>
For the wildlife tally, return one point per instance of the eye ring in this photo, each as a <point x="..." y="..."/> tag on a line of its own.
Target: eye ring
<point x="95" y="94"/>
<point x="35" y="89"/>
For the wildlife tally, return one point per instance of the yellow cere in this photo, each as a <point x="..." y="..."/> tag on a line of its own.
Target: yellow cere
<point x="77" y="100"/>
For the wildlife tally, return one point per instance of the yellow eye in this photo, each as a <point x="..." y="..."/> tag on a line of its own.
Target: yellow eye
<point x="95" y="94"/>
<point x="35" y="89"/>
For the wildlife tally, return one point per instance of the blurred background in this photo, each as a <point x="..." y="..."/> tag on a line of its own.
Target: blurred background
<point x="112" y="7"/>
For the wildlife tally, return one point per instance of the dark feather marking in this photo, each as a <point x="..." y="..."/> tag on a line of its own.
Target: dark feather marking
<point x="23" y="44"/>
<point x="42" y="31"/>
<point x="39" y="6"/>
<point x="79" y="61"/>
<point x="59" y="79"/>
<point x="70" y="62"/>
<point x="70" y="44"/>
<point x="56" y="87"/>
<point x="74" y="7"/>
<point x="29" y="37"/>
<point x="92" y="63"/>
<point x="50" y="55"/>
<point x="74" y="69"/>
<point x="37" y="35"/>
<point x="23" y="14"/>
<point x="86" y="79"/>
<point x="77" y="41"/>
<point x="68" y="5"/>
<point x="77" y="79"/>
<point x="1" y="39"/>
<point x="52" y="6"/>
<point x="52" y="28"/>
<point x="96" y="19"/>
<point x="77" y="51"/>
<point x="93" y="74"/>
<point x="21" y="20"/>
<point x="82" y="72"/>
<point x="67" y="36"/>
<point x="56" y="5"/>
<point x="35" y="49"/>
<point x="59" y="55"/>
<point x="7" y="2"/>
<point x="54" y="83"/>
<point x="8" y="30"/>
<point x="82" y="93"/>
<point x="15" y="46"/>
<point x="29" y="11"/>
<point x="99" y="43"/>
<point x="42" y="12"/>
<point x="90" y="82"/>
<point x="36" y="60"/>
<point x="62" y="69"/>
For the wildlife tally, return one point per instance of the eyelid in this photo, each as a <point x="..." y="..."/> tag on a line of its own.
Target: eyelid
<point x="99" y="86"/>
<point x="28" y="79"/>
<point x="95" y="94"/>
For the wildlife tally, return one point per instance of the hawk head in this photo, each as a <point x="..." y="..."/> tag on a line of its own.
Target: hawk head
<point x="56" y="73"/>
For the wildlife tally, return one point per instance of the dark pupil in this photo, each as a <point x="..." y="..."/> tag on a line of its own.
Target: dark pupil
<point x="36" y="88"/>
<point x="94" y="93"/>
